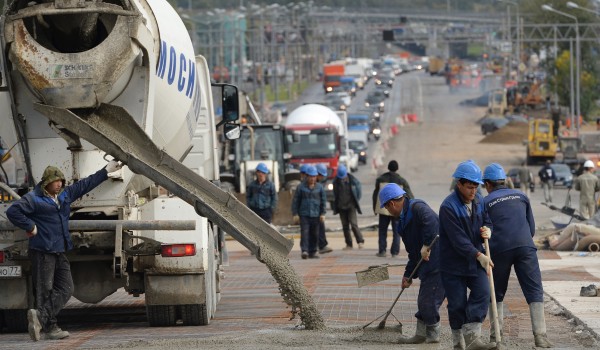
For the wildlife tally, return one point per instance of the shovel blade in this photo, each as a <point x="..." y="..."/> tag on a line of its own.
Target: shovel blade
<point x="372" y="275"/>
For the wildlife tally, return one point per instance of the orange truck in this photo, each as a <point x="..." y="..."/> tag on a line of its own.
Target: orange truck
<point x="332" y="73"/>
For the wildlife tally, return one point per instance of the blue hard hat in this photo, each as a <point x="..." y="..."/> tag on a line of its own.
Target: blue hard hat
<point x="389" y="192"/>
<point x="322" y="169"/>
<point x="303" y="168"/>
<point x="468" y="170"/>
<point x="262" y="167"/>
<point x="494" y="172"/>
<point x="342" y="172"/>
<point x="311" y="170"/>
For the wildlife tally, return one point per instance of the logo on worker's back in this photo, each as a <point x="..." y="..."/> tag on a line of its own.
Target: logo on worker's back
<point x="176" y="66"/>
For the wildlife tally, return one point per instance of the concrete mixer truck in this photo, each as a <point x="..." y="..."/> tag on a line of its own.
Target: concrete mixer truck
<point x="83" y="82"/>
<point x="315" y="134"/>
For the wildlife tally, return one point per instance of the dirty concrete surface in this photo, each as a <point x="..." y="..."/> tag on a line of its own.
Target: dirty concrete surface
<point x="252" y="314"/>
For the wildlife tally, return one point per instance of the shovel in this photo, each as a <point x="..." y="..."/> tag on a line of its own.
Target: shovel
<point x="381" y="324"/>
<point x="374" y="274"/>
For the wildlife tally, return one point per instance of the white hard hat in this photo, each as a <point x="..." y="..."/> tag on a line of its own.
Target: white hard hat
<point x="588" y="164"/>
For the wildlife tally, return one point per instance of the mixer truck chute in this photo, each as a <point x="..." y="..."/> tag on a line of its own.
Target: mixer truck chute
<point x="126" y="85"/>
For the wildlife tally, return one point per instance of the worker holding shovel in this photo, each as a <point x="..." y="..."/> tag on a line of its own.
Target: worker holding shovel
<point x="418" y="226"/>
<point x="462" y="262"/>
<point x="512" y="245"/>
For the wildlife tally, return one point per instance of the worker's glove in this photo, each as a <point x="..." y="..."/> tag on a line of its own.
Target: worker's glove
<point x="296" y="219"/>
<point x="322" y="218"/>
<point x="113" y="166"/>
<point x="485" y="262"/>
<point x="406" y="282"/>
<point x="32" y="232"/>
<point x="485" y="231"/>
<point x="425" y="252"/>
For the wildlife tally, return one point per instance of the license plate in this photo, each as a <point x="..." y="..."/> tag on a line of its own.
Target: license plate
<point x="10" y="271"/>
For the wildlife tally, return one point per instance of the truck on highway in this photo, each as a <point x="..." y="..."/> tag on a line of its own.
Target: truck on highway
<point x="86" y="82"/>
<point x="332" y="74"/>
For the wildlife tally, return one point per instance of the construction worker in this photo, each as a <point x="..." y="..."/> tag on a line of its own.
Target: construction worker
<point x="547" y="177"/>
<point x="322" y="179"/>
<point x="418" y="225"/>
<point x="512" y="246"/>
<point x="261" y="195"/>
<point x="346" y="198"/>
<point x="384" y="216"/>
<point x="462" y="262"/>
<point x="587" y="184"/>
<point x="308" y="209"/>
<point x="525" y="178"/>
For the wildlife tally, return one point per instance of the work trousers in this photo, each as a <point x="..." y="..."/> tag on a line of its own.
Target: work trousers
<point x="309" y="234"/>
<point x="431" y="296"/>
<point x="349" y="220"/>
<point x="587" y="208"/>
<point x="52" y="283"/>
<point x="384" y="222"/>
<point x="548" y="187"/>
<point x="265" y="214"/>
<point x="527" y="269"/>
<point x="463" y="308"/>
<point x="322" y="237"/>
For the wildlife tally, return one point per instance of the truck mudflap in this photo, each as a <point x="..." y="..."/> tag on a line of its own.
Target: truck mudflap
<point x="114" y="131"/>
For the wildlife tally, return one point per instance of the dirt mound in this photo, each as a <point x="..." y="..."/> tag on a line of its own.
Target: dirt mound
<point x="513" y="132"/>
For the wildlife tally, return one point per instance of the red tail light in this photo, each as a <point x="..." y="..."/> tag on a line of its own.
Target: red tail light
<point x="1" y="257"/>
<point x="176" y="250"/>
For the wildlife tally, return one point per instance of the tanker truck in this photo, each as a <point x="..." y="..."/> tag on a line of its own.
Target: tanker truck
<point x="84" y="82"/>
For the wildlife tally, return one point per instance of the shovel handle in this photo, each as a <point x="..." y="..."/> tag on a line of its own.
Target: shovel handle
<point x="492" y="293"/>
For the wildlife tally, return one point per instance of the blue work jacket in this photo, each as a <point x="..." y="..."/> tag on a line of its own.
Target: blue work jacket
<point x="261" y="196"/>
<point x="309" y="202"/>
<point x="460" y="237"/>
<point x="512" y="220"/>
<point x="418" y="225"/>
<point x="51" y="219"/>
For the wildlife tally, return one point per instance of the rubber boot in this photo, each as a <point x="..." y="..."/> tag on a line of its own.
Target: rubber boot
<point x="432" y="333"/>
<point x="419" y="336"/>
<point x="472" y="333"/>
<point x="538" y="324"/>
<point x="500" y="307"/>
<point x="458" y="341"/>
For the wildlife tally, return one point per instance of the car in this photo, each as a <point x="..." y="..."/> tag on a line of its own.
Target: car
<point x="335" y="103"/>
<point x="374" y="129"/>
<point x="564" y="176"/>
<point x="359" y="147"/>
<point x="491" y="124"/>
<point x="384" y="88"/>
<point x="375" y="98"/>
<point x="344" y="96"/>
<point x="280" y="106"/>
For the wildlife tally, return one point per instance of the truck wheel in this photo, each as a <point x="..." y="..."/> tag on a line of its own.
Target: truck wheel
<point x="195" y="315"/>
<point x="15" y="320"/>
<point x="161" y="315"/>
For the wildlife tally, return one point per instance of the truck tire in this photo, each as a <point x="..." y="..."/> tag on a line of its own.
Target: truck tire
<point x="195" y="315"/>
<point x="161" y="315"/>
<point x="15" y="320"/>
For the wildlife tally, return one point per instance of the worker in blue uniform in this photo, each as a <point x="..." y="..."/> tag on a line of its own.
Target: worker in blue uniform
<point x="462" y="262"/>
<point x="322" y="241"/>
<point x="418" y="226"/>
<point x="512" y="245"/>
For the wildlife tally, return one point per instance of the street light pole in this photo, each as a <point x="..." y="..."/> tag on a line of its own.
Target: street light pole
<point x="516" y="4"/>
<point x="577" y="62"/>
